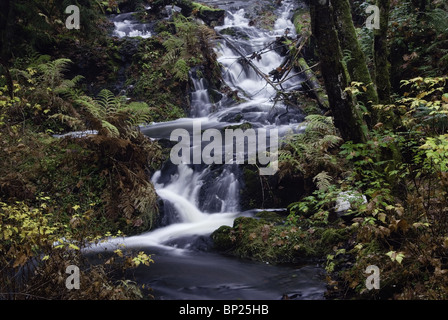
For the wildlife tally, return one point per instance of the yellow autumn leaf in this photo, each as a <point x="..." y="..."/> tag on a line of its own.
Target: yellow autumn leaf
<point x="119" y="252"/>
<point x="72" y="246"/>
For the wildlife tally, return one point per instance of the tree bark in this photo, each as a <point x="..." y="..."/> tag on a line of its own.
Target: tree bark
<point x="356" y="62"/>
<point x="5" y="46"/>
<point x="336" y="78"/>
<point x="381" y="54"/>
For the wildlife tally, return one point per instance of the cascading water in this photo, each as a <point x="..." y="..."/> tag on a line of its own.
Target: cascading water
<point x="198" y="199"/>
<point x="127" y="26"/>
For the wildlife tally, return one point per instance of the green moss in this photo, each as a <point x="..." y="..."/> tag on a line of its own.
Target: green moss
<point x="221" y="238"/>
<point x="270" y="216"/>
<point x="266" y="239"/>
<point x="302" y="21"/>
<point x="231" y="31"/>
<point x="333" y="236"/>
<point x="203" y="8"/>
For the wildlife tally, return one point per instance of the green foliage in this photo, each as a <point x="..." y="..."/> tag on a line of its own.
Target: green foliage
<point x="98" y="184"/>
<point x="112" y="117"/>
<point x="188" y="47"/>
<point x="436" y="150"/>
<point x="420" y="41"/>
<point x="262" y="240"/>
<point x="315" y="208"/>
<point x="37" y="243"/>
<point x="182" y="70"/>
<point x="310" y="152"/>
<point x="403" y="225"/>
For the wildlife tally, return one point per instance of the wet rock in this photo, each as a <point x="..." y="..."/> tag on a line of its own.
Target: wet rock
<point x="212" y="17"/>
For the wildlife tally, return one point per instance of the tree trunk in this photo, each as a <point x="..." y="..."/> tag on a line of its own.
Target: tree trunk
<point x="356" y="62"/>
<point x="381" y="54"/>
<point x="346" y="117"/>
<point x="5" y="46"/>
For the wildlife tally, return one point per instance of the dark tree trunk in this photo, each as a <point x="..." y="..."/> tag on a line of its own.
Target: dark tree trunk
<point x="381" y="54"/>
<point x="5" y="47"/>
<point x="356" y="62"/>
<point x="346" y="117"/>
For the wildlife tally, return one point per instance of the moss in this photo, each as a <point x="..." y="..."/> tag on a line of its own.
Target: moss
<point x="271" y="216"/>
<point x="211" y="16"/>
<point x="302" y="21"/>
<point x="265" y="238"/>
<point x="203" y="8"/>
<point x="234" y="32"/>
<point x="222" y="240"/>
<point x="332" y="236"/>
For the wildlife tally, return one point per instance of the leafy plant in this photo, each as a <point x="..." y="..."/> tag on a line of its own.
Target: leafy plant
<point x="309" y="153"/>
<point x="189" y="46"/>
<point x="111" y="116"/>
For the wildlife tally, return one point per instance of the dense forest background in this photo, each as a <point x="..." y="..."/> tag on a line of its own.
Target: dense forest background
<point x="381" y="132"/>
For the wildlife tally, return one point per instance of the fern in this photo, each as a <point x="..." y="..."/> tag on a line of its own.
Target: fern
<point x="322" y="181"/>
<point x="91" y="107"/>
<point x="52" y="72"/>
<point x="189" y="46"/>
<point x="181" y="70"/>
<point x="308" y="152"/>
<point x="319" y="123"/>
<point x="330" y="141"/>
<point x="111" y="116"/>
<point x="108" y="102"/>
<point x="438" y="18"/>
<point x="72" y="122"/>
<point x="111" y="130"/>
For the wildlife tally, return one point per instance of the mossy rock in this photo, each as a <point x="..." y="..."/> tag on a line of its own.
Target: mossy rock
<point x="271" y="216"/>
<point x="267" y="240"/>
<point x="234" y="32"/>
<point x="332" y="236"/>
<point x="211" y="16"/>
<point x="222" y="240"/>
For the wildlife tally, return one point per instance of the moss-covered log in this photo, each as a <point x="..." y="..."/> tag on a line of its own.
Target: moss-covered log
<point x="312" y="83"/>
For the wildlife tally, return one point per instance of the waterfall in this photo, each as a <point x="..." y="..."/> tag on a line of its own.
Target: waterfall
<point x="200" y="198"/>
<point x="126" y="26"/>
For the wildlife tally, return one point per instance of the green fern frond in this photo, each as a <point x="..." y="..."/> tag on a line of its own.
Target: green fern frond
<point x="52" y="72"/>
<point x="111" y="130"/>
<point x="438" y="19"/>
<point x="329" y="141"/>
<point x="320" y="124"/>
<point x="91" y="107"/>
<point x="322" y="181"/>
<point x="107" y="101"/>
<point x="181" y="70"/>
<point x="66" y="86"/>
<point x="308" y="152"/>
<point x="72" y="122"/>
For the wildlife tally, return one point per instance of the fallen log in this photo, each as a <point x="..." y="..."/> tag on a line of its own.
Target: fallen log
<point x="312" y="84"/>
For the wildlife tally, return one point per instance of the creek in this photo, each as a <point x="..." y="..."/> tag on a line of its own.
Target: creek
<point x="197" y="199"/>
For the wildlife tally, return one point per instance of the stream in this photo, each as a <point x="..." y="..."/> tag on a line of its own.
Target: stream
<point x="199" y="198"/>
